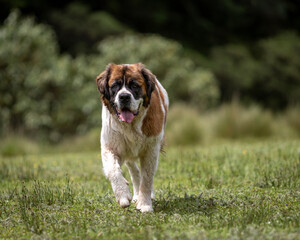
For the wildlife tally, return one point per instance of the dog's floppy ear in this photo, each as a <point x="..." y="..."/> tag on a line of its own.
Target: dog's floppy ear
<point x="149" y="78"/>
<point x="102" y="82"/>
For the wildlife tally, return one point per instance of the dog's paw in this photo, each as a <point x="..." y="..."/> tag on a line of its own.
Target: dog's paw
<point x="124" y="198"/>
<point x="122" y="193"/>
<point x="144" y="206"/>
<point x="125" y="201"/>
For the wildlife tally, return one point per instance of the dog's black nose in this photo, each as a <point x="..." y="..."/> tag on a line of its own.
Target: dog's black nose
<point x="124" y="97"/>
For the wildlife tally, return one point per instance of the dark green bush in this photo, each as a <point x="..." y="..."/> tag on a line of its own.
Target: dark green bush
<point x="79" y="28"/>
<point x="42" y="93"/>
<point x="235" y="70"/>
<point x="278" y="77"/>
<point x="28" y="53"/>
<point x="269" y="74"/>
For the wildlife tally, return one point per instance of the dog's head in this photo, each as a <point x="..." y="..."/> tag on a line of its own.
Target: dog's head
<point x="125" y="89"/>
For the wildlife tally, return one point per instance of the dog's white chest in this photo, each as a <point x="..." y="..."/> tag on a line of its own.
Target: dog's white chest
<point x="126" y="139"/>
<point x="132" y="145"/>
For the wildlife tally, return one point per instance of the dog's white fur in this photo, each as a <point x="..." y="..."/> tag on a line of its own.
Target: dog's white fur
<point x="125" y="143"/>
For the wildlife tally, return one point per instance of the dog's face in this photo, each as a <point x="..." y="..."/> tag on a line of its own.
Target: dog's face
<point x="125" y="89"/>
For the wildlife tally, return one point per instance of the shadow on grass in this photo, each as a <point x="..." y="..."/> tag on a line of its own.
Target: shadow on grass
<point x="185" y="205"/>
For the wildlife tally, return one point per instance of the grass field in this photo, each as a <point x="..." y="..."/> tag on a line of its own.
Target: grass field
<point x="247" y="190"/>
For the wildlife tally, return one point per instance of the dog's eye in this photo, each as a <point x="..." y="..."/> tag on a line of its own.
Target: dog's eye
<point x="134" y="85"/>
<point x="115" y="85"/>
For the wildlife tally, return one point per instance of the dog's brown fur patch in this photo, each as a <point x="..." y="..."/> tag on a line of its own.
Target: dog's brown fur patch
<point x="154" y="119"/>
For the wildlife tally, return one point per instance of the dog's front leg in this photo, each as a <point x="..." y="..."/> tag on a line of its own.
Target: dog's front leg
<point x="148" y="167"/>
<point x="112" y="170"/>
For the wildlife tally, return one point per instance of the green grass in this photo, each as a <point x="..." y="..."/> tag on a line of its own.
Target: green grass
<point x="225" y="191"/>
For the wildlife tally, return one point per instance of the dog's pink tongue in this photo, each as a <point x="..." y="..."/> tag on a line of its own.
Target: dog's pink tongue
<point x="126" y="116"/>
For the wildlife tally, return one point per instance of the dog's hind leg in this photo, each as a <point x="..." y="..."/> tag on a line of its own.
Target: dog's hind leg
<point x="135" y="178"/>
<point x="149" y="164"/>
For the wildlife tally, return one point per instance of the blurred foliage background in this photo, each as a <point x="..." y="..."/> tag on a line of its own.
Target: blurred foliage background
<point x="231" y="68"/>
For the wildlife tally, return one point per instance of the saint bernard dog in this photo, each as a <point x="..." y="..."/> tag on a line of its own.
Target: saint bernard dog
<point x="134" y="112"/>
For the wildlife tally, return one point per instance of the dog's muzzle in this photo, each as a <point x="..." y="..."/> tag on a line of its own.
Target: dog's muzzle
<point x="123" y="110"/>
<point x="124" y="100"/>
